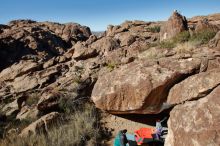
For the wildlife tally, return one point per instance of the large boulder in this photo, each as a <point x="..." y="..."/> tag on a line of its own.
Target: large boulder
<point x="126" y="38"/>
<point x="194" y="87"/>
<point x="105" y="45"/>
<point x="195" y="123"/>
<point x="82" y="51"/>
<point x="175" y="24"/>
<point x="140" y="87"/>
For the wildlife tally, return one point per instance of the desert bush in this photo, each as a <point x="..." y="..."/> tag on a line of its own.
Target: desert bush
<point x="182" y="37"/>
<point x="184" y="48"/>
<point x="167" y="44"/>
<point x="179" y="38"/>
<point x="152" y="53"/>
<point x="203" y="36"/>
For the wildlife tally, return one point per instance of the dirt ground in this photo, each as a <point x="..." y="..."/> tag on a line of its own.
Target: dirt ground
<point x="115" y="123"/>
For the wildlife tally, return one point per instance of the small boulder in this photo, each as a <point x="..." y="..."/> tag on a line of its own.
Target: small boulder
<point x="41" y="125"/>
<point x="48" y="101"/>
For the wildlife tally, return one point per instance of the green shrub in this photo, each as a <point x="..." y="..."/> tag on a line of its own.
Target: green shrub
<point x="203" y="36"/>
<point x="154" y="29"/>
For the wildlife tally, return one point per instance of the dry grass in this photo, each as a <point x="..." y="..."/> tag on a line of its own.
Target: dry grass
<point x="185" y="48"/>
<point x="151" y="53"/>
<point x="79" y="129"/>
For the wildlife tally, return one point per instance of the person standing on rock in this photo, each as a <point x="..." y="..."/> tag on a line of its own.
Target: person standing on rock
<point x="121" y="139"/>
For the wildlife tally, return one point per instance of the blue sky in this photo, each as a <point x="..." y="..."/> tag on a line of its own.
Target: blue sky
<point x="97" y="14"/>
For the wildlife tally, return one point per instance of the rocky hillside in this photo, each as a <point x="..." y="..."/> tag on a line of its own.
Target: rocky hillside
<point x="134" y="68"/>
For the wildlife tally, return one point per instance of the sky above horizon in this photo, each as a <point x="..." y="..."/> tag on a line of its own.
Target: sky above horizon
<point x="98" y="14"/>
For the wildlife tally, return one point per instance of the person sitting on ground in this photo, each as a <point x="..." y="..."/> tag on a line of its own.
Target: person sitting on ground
<point x="121" y="139"/>
<point x="159" y="128"/>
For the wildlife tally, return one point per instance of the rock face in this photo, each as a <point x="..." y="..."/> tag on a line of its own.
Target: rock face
<point x="195" y="122"/>
<point x="175" y="24"/>
<point x="139" y="87"/>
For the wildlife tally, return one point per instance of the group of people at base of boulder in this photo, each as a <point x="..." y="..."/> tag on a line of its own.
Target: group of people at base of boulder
<point x="141" y="136"/>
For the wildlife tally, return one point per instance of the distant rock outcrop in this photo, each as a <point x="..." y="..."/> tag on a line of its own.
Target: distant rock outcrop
<point x="204" y="25"/>
<point x="175" y="24"/>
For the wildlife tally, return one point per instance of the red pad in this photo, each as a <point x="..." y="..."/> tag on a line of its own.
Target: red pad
<point x="145" y="132"/>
